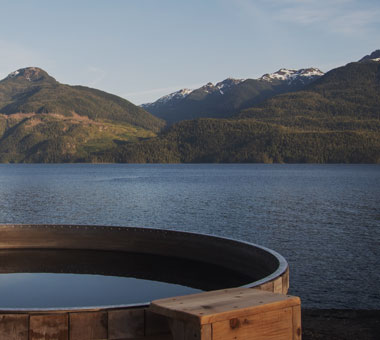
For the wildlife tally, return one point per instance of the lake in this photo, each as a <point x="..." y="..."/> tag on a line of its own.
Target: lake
<point x="324" y="219"/>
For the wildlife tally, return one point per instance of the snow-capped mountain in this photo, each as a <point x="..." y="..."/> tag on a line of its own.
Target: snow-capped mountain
<point x="303" y="75"/>
<point x="227" y="97"/>
<point x="175" y="96"/>
<point x="221" y="87"/>
<point x="374" y="56"/>
<point x="227" y="84"/>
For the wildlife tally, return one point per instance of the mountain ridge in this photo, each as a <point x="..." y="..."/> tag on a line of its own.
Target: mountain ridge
<point x="374" y="56"/>
<point x="42" y="120"/>
<point x="229" y="96"/>
<point x="334" y="119"/>
<point x="32" y="89"/>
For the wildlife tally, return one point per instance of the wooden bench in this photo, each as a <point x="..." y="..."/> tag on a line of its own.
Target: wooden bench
<point x="232" y="314"/>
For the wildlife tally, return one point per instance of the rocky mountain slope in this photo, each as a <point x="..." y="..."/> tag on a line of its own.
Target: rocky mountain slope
<point x="32" y="90"/>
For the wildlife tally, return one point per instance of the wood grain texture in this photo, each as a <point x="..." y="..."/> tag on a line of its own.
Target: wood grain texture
<point x="206" y="332"/>
<point x="297" y="329"/>
<point x="14" y="327"/>
<point x="221" y="305"/>
<point x="182" y="330"/>
<point x="285" y="282"/>
<point x="192" y="332"/>
<point x="88" y="326"/>
<point x="155" y="324"/>
<point x="177" y="329"/>
<point x="49" y="327"/>
<point x="272" y="325"/>
<point x="126" y="324"/>
<point x="268" y="286"/>
<point x="155" y="337"/>
<point x="277" y="285"/>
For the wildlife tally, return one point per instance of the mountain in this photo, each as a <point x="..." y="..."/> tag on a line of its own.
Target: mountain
<point x="351" y="91"/>
<point x="32" y="90"/>
<point x="42" y="120"/>
<point x="229" y="96"/>
<point x="302" y="76"/>
<point x="374" y="56"/>
<point x="335" y="119"/>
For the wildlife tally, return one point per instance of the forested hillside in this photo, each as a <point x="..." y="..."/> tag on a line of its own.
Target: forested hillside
<point x="335" y="119"/>
<point x="32" y="90"/>
<point x="42" y="120"/>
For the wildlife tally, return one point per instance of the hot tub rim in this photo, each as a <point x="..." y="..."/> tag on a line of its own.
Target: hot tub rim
<point x="281" y="269"/>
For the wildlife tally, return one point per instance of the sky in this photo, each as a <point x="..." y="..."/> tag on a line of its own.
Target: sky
<point x="144" y="49"/>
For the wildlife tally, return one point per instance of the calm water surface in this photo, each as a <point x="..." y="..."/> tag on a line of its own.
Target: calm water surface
<point x="324" y="219"/>
<point x="49" y="290"/>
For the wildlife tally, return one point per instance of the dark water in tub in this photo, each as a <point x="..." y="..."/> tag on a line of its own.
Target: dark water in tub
<point x="324" y="219"/>
<point x="48" y="290"/>
<point x="33" y="278"/>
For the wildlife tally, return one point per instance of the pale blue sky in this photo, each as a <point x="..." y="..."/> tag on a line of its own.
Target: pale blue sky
<point x="143" y="49"/>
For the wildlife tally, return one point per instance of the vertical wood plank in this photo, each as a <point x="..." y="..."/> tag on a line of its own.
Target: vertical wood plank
<point x="268" y="286"/>
<point x="182" y="330"/>
<point x="14" y="326"/>
<point x="297" y="327"/>
<point x="155" y="324"/>
<point x="88" y="326"/>
<point x="49" y="326"/>
<point x="285" y="282"/>
<point x="206" y="332"/>
<point x="177" y="328"/>
<point x="277" y="285"/>
<point x="192" y="332"/>
<point x="126" y="324"/>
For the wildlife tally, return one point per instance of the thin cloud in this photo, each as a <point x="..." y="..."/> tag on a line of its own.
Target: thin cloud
<point x="358" y="22"/>
<point x="351" y="17"/>
<point x="339" y="15"/>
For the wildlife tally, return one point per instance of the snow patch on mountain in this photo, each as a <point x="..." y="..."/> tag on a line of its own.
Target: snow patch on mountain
<point x="29" y="73"/>
<point x="228" y="83"/>
<point x="175" y="96"/>
<point x="209" y="87"/>
<point x="222" y="87"/>
<point x="304" y="75"/>
<point x="291" y="75"/>
<point x="374" y="56"/>
<point x="13" y="74"/>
